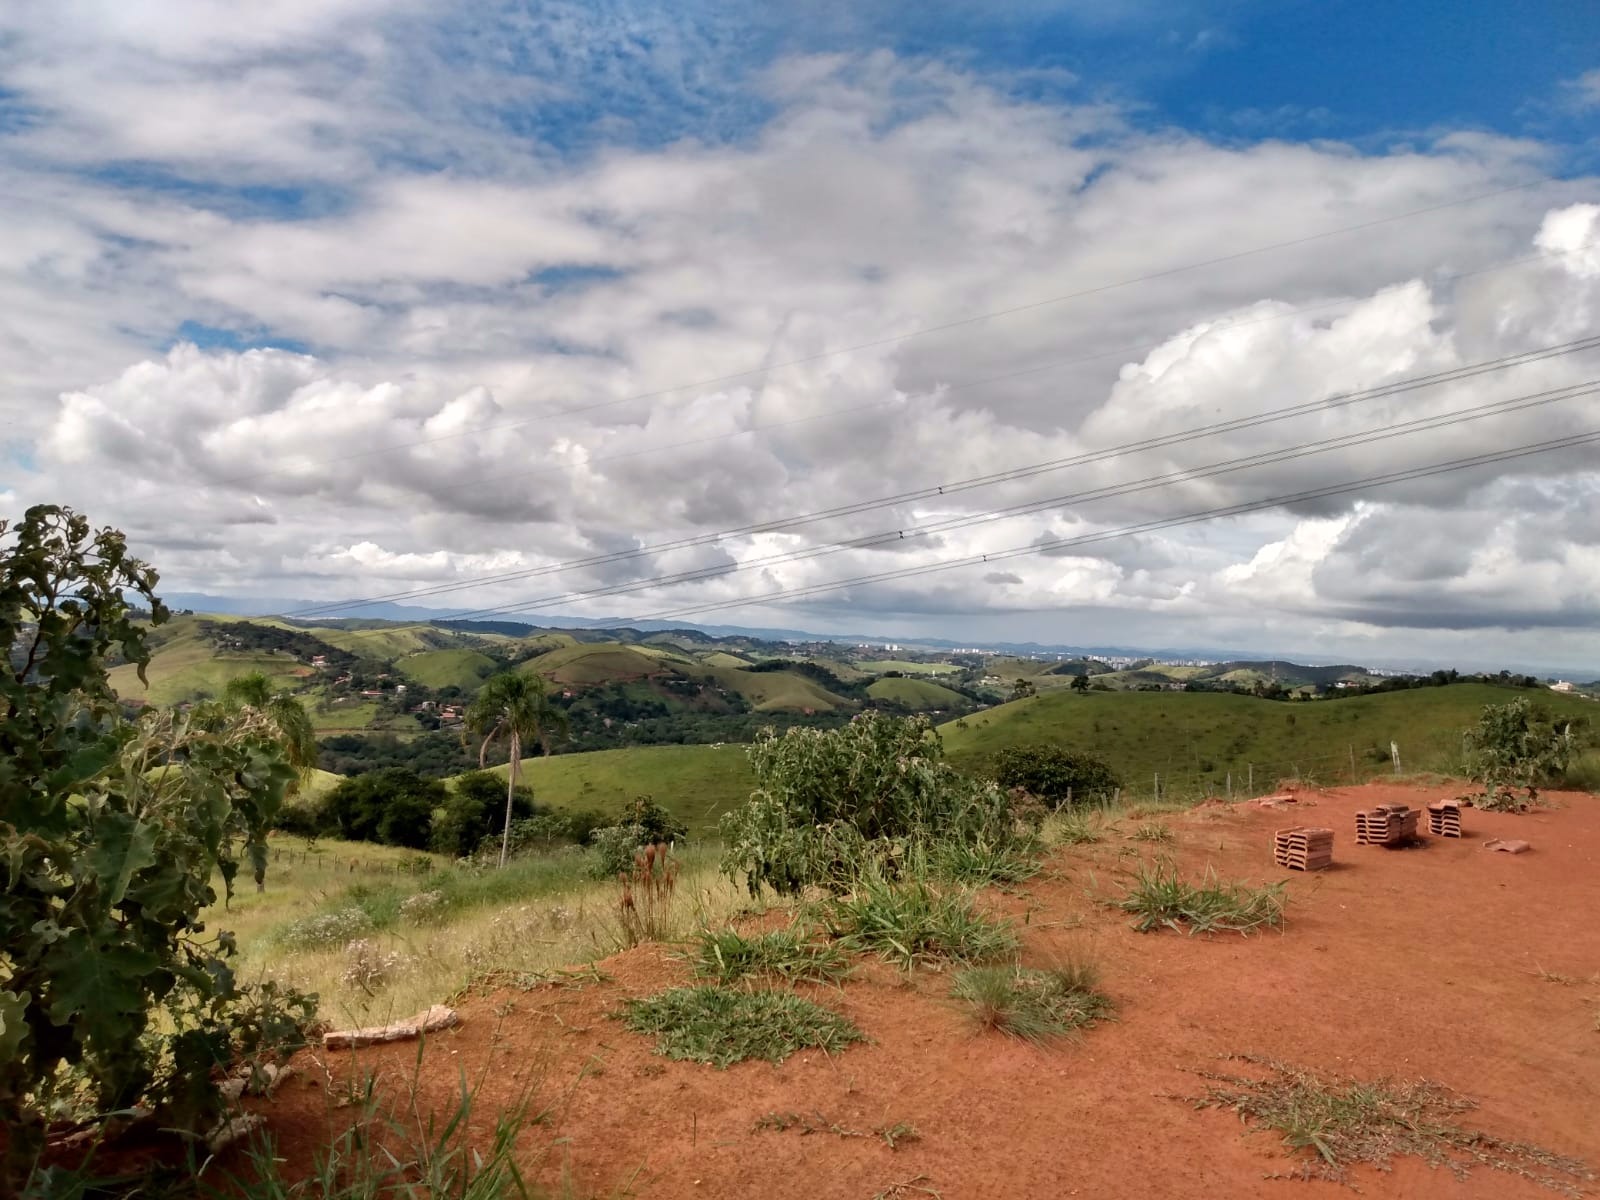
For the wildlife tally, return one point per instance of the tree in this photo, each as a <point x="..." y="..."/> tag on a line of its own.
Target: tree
<point x="1053" y="773"/>
<point x="468" y="816"/>
<point x="1080" y="682"/>
<point x="250" y="697"/>
<point x="394" y="806"/>
<point x="111" y="831"/>
<point x="515" y="707"/>
<point x="1022" y="689"/>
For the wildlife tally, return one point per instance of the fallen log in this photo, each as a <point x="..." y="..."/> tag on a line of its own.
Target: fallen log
<point x="440" y="1016"/>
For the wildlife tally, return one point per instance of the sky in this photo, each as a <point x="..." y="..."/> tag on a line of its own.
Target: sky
<point x="530" y="308"/>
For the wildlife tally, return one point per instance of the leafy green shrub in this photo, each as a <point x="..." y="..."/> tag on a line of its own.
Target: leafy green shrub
<point x="1055" y="774"/>
<point x="614" y="847"/>
<point x="727" y="955"/>
<point x="914" y="922"/>
<point x="1160" y="899"/>
<point x="658" y="823"/>
<point x="979" y="863"/>
<point x="304" y="816"/>
<point x="394" y="806"/>
<point x="720" y="1027"/>
<point x="475" y="811"/>
<point x="112" y="832"/>
<point x="1030" y="1004"/>
<point x="1515" y="745"/>
<point x="832" y="805"/>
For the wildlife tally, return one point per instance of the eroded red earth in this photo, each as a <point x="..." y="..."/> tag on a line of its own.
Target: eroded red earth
<point x="1438" y="962"/>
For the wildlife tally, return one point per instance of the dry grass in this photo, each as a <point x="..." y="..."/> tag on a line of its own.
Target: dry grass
<point x="536" y="934"/>
<point x="1345" y="1122"/>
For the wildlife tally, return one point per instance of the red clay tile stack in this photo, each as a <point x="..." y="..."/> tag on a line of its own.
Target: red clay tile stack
<point x="1386" y="825"/>
<point x="1444" y="818"/>
<point x="1303" y="849"/>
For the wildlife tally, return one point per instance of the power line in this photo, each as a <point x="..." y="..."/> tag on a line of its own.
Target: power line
<point x="945" y="389"/>
<point x="1372" y="481"/>
<point x="895" y="339"/>
<point x="956" y="487"/>
<point x="1149" y="483"/>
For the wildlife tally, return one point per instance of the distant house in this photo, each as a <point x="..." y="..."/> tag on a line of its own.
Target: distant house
<point x="1563" y="686"/>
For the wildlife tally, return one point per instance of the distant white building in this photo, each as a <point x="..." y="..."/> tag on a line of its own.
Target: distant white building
<point x="1563" y="686"/>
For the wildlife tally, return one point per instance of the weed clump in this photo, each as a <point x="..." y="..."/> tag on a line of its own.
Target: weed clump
<point x="721" y="1027"/>
<point x="1031" y="1004"/>
<point x="727" y="955"/>
<point x="915" y="922"/>
<point x="1346" y="1122"/>
<point x="1159" y="899"/>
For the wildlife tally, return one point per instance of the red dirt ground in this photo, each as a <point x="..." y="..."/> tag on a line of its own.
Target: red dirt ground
<point x="1422" y="962"/>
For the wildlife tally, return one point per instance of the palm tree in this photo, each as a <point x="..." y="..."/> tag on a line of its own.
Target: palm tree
<point x="283" y="712"/>
<point x="515" y="707"/>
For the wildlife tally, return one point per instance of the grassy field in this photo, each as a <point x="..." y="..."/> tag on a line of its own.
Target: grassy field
<point x="698" y="783"/>
<point x="773" y="691"/>
<point x="186" y="667"/>
<point x="457" y="667"/>
<point x="597" y="662"/>
<point x="918" y="694"/>
<point x="1195" y="739"/>
<point x="334" y="920"/>
<point x="879" y="666"/>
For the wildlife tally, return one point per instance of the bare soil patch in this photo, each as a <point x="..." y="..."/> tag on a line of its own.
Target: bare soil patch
<point x="1441" y="962"/>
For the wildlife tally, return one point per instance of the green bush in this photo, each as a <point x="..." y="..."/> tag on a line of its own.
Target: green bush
<point x="475" y="811"/>
<point x="394" y="806"/>
<point x="1516" y="745"/>
<point x="112" y="833"/>
<point x="1054" y="774"/>
<point x="874" y="796"/>
<point x="614" y="849"/>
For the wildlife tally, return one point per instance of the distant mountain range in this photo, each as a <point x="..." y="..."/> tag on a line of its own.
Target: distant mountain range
<point x="328" y="610"/>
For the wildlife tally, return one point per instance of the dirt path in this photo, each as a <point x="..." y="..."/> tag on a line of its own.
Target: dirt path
<point x="1419" y="962"/>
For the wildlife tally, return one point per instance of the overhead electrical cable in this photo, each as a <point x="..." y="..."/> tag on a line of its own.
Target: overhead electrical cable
<point x="956" y="487"/>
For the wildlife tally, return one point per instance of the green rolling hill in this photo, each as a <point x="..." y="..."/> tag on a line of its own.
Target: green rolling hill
<point x="461" y="667"/>
<point x="1195" y="739"/>
<point x="698" y="783"/>
<point x="917" y="694"/>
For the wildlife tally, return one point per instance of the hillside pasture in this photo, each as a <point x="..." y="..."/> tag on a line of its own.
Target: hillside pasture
<point x="187" y="667"/>
<point x="459" y="667"/>
<point x="698" y="783"/>
<point x="907" y="667"/>
<point x="918" y="694"/>
<point x="1194" y="740"/>
<point x="595" y="662"/>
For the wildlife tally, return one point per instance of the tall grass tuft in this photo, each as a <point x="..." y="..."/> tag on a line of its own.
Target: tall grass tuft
<point x="1159" y="899"/>
<point x="916" y="922"/>
<point x="644" y="906"/>
<point x="1031" y="1004"/>
<point x="727" y="955"/>
<point x="721" y="1027"/>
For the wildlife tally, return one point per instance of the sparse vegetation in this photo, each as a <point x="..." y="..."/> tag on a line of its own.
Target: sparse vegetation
<point x="1032" y="1004"/>
<point x="1153" y="831"/>
<point x="722" y="1026"/>
<point x="1346" y="1122"/>
<point x="915" y="922"/>
<point x="894" y="1136"/>
<point x="1160" y="899"/>
<point x="644" y="906"/>
<point x="728" y="956"/>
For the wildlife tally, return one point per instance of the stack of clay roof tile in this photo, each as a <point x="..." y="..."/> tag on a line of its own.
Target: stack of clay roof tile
<point x="1444" y="818"/>
<point x="1303" y="849"/>
<point x="1386" y="825"/>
